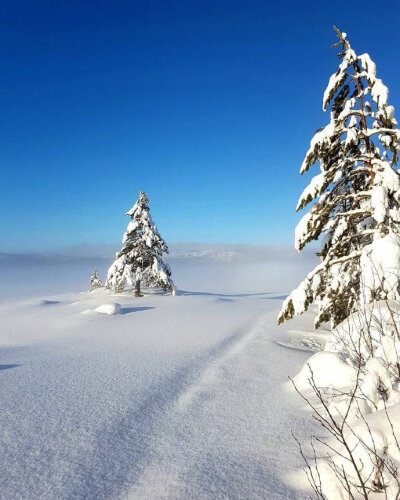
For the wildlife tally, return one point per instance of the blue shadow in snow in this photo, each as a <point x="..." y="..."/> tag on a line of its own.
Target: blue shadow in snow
<point x="7" y="367"/>
<point x="210" y="294"/>
<point x="129" y="310"/>
<point x="276" y="297"/>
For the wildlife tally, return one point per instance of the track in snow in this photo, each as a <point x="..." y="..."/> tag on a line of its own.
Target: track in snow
<point x="173" y="400"/>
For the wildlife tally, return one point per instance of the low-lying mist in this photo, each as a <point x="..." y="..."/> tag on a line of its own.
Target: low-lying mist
<point x="196" y="267"/>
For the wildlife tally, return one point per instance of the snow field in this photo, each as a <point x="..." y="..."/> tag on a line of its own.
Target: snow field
<point x="174" y="397"/>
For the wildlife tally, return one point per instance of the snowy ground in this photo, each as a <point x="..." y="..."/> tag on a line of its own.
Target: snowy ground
<point x="175" y="397"/>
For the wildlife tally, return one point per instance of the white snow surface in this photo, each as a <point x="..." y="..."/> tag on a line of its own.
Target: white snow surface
<point x="373" y="423"/>
<point x="328" y="370"/>
<point x="174" y="397"/>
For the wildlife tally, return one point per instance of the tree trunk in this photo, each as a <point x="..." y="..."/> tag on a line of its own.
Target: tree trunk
<point x="137" y="289"/>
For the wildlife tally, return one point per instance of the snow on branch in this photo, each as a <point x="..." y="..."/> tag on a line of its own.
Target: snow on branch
<point x="356" y="194"/>
<point x="140" y="259"/>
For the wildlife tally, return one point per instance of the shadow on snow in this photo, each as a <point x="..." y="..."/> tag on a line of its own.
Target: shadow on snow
<point x="7" y="367"/>
<point x="129" y="310"/>
<point x="233" y="295"/>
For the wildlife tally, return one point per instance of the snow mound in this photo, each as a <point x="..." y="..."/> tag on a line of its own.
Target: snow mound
<point x="110" y="308"/>
<point x="328" y="369"/>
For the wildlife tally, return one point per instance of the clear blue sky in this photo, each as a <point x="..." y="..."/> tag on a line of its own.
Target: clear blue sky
<point x="209" y="106"/>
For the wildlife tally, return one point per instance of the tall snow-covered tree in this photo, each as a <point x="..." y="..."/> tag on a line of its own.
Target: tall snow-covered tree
<point x="140" y="260"/>
<point x="356" y="210"/>
<point x="95" y="280"/>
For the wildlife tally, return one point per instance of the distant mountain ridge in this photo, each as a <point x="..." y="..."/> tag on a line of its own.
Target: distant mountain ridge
<point x="179" y="252"/>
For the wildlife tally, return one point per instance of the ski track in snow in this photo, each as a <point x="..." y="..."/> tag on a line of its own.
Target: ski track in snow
<point x="173" y="398"/>
<point x="238" y="444"/>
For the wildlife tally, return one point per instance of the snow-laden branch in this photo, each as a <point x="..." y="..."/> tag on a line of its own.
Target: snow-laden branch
<point x="356" y="192"/>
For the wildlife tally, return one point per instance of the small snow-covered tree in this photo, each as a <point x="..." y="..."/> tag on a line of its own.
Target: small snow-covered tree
<point x="140" y="260"/>
<point x="357" y="196"/>
<point x="95" y="280"/>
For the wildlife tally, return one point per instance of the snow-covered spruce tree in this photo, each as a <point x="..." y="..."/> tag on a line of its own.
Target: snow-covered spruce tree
<point x="95" y="280"/>
<point x="357" y="197"/>
<point x="140" y="260"/>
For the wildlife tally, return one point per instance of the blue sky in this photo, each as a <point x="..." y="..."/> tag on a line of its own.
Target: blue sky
<point x="209" y="106"/>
